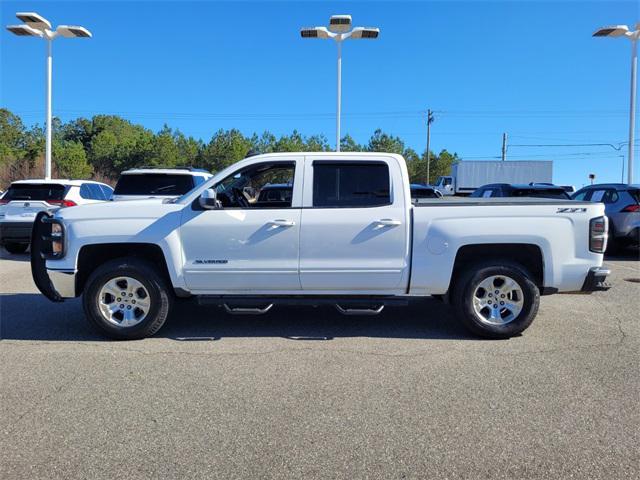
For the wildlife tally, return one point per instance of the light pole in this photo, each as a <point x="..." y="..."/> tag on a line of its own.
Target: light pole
<point x="623" y="31"/>
<point x="37" y="26"/>
<point x="622" y="178"/>
<point x="340" y="30"/>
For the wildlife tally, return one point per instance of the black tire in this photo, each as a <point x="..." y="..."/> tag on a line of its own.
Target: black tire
<point x="613" y="245"/>
<point x="16" y="248"/>
<point x="464" y="290"/>
<point x="161" y="298"/>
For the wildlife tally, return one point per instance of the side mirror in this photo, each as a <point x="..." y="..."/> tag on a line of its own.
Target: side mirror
<point x="209" y="200"/>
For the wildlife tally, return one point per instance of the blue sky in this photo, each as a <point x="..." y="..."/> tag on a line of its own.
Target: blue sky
<point x="530" y="69"/>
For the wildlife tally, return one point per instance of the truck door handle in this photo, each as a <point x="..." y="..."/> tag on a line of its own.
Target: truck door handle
<point x="282" y="223"/>
<point x="389" y="222"/>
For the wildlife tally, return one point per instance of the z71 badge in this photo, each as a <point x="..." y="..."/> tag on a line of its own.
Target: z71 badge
<point x="572" y="210"/>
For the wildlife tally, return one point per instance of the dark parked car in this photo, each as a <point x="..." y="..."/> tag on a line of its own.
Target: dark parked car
<point x="621" y="205"/>
<point x="536" y="190"/>
<point x="420" y="192"/>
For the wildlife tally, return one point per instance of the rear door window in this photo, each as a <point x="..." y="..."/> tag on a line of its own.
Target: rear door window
<point x="348" y="185"/>
<point x="35" y="191"/>
<point x="153" y="184"/>
<point x="610" y="196"/>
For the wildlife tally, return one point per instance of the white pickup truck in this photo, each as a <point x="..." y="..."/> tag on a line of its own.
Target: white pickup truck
<point x="317" y="228"/>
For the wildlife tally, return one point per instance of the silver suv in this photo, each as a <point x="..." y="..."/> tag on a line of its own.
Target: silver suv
<point x="622" y="206"/>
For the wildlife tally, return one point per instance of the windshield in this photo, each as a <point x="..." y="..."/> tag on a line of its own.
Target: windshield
<point x="153" y="184"/>
<point x="35" y="191"/>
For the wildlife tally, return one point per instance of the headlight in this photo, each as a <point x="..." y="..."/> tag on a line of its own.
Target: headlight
<point x="57" y="239"/>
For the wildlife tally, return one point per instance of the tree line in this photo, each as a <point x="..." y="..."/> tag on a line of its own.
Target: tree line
<point x="104" y="145"/>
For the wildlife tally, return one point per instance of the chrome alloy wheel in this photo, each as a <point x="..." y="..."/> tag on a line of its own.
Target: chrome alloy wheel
<point x="124" y="301"/>
<point x="497" y="300"/>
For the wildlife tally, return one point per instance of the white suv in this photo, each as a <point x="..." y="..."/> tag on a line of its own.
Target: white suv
<point x="25" y="198"/>
<point x="140" y="183"/>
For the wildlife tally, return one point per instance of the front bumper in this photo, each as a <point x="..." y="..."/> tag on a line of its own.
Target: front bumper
<point x="17" y="232"/>
<point x="596" y="280"/>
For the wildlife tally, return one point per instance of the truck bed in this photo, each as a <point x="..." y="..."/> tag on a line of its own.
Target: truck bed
<point x="558" y="229"/>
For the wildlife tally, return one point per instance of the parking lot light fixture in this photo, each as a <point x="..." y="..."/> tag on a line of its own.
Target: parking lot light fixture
<point x="36" y="25"/>
<point x="24" y="31"/>
<point x="340" y="30"/>
<point x="633" y="35"/>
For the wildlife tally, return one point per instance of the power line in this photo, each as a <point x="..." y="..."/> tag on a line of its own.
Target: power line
<point x="617" y="146"/>
<point x="546" y="155"/>
<point x="379" y="114"/>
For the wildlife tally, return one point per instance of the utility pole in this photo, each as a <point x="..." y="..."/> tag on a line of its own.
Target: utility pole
<point x="429" y="122"/>
<point x="504" y="147"/>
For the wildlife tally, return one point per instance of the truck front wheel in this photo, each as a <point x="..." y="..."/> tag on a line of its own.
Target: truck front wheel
<point x="127" y="299"/>
<point x="496" y="299"/>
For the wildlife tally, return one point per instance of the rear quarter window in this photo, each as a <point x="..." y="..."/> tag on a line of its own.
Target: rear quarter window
<point x="107" y="191"/>
<point x="91" y="191"/>
<point x="635" y="194"/>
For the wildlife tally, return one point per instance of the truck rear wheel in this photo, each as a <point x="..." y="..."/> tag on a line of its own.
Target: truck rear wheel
<point x="127" y="299"/>
<point x="496" y="299"/>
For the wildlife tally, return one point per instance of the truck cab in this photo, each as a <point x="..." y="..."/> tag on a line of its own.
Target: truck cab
<point x="446" y="185"/>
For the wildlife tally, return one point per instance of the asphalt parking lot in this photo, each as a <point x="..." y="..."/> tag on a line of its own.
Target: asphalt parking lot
<point x="308" y="393"/>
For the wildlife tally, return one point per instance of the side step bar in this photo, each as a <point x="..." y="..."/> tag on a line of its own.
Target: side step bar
<point x="261" y="304"/>
<point x="247" y="310"/>
<point x="359" y="311"/>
